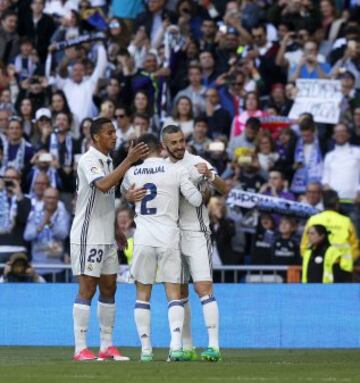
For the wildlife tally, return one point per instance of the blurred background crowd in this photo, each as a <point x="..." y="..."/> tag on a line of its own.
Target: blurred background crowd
<point x="225" y="71"/>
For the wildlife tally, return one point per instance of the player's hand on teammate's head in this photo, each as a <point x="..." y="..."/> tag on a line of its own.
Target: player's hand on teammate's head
<point x="135" y="194"/>
<point x="137" y="152"/>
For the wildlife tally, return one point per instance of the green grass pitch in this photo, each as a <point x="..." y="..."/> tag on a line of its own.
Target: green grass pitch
<point x="54" y="365"/>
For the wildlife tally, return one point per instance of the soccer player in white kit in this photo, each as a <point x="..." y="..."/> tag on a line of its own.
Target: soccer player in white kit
<point x="93" y="252"/>
<point x="156" y="241"/>
<point x="195" y="242"/>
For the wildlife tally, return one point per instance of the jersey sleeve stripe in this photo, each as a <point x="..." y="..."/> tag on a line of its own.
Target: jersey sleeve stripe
<point x="96" y="179"/>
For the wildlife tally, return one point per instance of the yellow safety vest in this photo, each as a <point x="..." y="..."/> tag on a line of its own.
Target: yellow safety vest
<point x="343" y="234"/>
<point x="333" y="255"/>
<point x="129" y="251"/>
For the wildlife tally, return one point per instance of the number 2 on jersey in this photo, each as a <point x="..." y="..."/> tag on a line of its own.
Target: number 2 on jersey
<point x="151" y="194"/>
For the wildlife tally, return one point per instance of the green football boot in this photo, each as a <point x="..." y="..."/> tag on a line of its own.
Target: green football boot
<point x="190" y="355"/>
<point x="177" y="356"/>
<point x="211" y="354"/>
<point x="146" y="357"/>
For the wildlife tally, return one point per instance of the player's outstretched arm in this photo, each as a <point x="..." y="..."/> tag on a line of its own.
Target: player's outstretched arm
<point x="188" y="190"/>
<point x="135" y="154"/>
<point x="218" y="183"/>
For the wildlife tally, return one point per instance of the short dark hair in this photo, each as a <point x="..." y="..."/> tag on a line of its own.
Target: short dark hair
<point x="8" y="13"/>
<point x="145" y="116"/>
<point x="97" y="125"/>
<point x="170" y="129"/>
<point x="330" y="199"/>
<point x="150" y="140"/>
<point x="253" y="123"/>
<point x="201" y="119"/>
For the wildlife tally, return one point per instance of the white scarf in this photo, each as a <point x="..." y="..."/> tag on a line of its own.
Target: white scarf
<point x="19" y="160"/>
<point x="8" y="212"/>
<point x="54" y="147"/>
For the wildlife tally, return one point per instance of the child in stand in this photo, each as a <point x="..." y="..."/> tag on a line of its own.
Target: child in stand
<point x="286" y="244"/>
<point x="263" y="240"/>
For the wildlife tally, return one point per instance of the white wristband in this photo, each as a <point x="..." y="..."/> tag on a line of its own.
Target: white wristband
<point x="212" y="177"/>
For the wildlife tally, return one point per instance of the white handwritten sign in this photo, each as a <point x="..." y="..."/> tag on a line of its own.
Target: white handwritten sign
<point x="321" y="98"/>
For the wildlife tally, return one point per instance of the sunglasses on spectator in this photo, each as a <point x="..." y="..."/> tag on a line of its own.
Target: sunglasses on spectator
<point x="119" y="115"/>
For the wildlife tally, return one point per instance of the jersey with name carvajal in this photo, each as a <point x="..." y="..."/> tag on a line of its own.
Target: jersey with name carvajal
<point x="95" y="211"/>
<point x="157" y="213"/>
<point x="191" y="218"/>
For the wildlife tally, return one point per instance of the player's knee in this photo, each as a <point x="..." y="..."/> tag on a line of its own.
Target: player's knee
<point x="108" y="290"/>
<point x="203" y="288"/>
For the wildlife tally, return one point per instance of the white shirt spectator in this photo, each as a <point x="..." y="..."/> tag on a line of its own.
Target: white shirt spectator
<point x="342" y="171"/>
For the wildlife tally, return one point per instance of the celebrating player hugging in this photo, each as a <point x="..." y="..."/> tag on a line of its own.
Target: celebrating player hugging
<point x="195" y="245"/>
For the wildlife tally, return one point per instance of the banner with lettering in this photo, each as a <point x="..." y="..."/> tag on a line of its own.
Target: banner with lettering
<point x="321" y="98"/>
<point x="248" y="200"/>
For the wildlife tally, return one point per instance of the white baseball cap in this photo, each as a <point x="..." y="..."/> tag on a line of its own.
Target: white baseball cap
<point x="42" y="112"/>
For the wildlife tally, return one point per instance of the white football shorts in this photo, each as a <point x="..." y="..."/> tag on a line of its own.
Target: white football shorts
<point x="94" y="260"/>
<point x="196" y="252"/>
<point x="155" y="264"/>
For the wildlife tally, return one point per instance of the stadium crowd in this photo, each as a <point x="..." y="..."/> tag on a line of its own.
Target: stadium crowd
<point x="224" y="71"/>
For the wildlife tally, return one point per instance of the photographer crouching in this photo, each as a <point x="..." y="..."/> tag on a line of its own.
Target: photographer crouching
<point x="14" y="211"/>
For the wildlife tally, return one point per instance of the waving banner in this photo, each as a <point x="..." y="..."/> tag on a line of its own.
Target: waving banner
<point x="247" y="200"/>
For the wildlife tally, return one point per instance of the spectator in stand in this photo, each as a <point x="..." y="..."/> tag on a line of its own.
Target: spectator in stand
<point x="232" y="92"/>
<point x="285" y="249"/>
<point x="342" y="169"/>
<point x="331" y="23"/>
<point x="277" y="186"/>
<point x="59" y="104"/>
<point x="42" y="163"/>
<point x="252" y="109"/>
<point x="278" y="100"/>
<point x="351" y="98"/>
<point x="350" y="61"/>
<point x="39" y="26"/>
<point x="19" y="270"/>
<point x="313" y="196"/>
<point x="182" y="115"/>
<point x="85" y="137"/>
<point x="286" y="148"/>
<point x="355" y="138"/>
<point x="26" y="112"/>
<point x="9" y="39"/>
<point x="142" y="104"/>
<point x="43" y="129"/>
<point x="79" y="89"/>
<point x="47" y="230"/>
<point x="309" y="66"/>
<point x="24" y="63"/>
<point x="125" y="130"/>
<point x="223" y="230"/>
<point x="219" y="119"/>
<point x="17" y="152"/>
<point x="195" y="91"/>
<point x="207" y="41"/>
<point x="263" y="52"/>
<point x="14" y="211"/>
<point x="263" y="240"/>
<point x="199" y="139"/>
<point x="308" y="159"/>
<point x="246" y="140"/>
<point x="207" y="64"/>
<point x="63" y="147"/>
<point x="265" y="154"/>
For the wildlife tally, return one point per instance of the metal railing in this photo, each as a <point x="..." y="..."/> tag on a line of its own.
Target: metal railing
<point x="222" y="274"/>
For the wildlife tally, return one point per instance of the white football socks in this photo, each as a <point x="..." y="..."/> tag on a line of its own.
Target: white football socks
<point x="142" y="315"/>
<point x="187" y="335"/>
<point x="211" y="318"/>
<point x="106" y="318"/>
<point x="176" y="323"/>
<point x="81" y="315"/>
